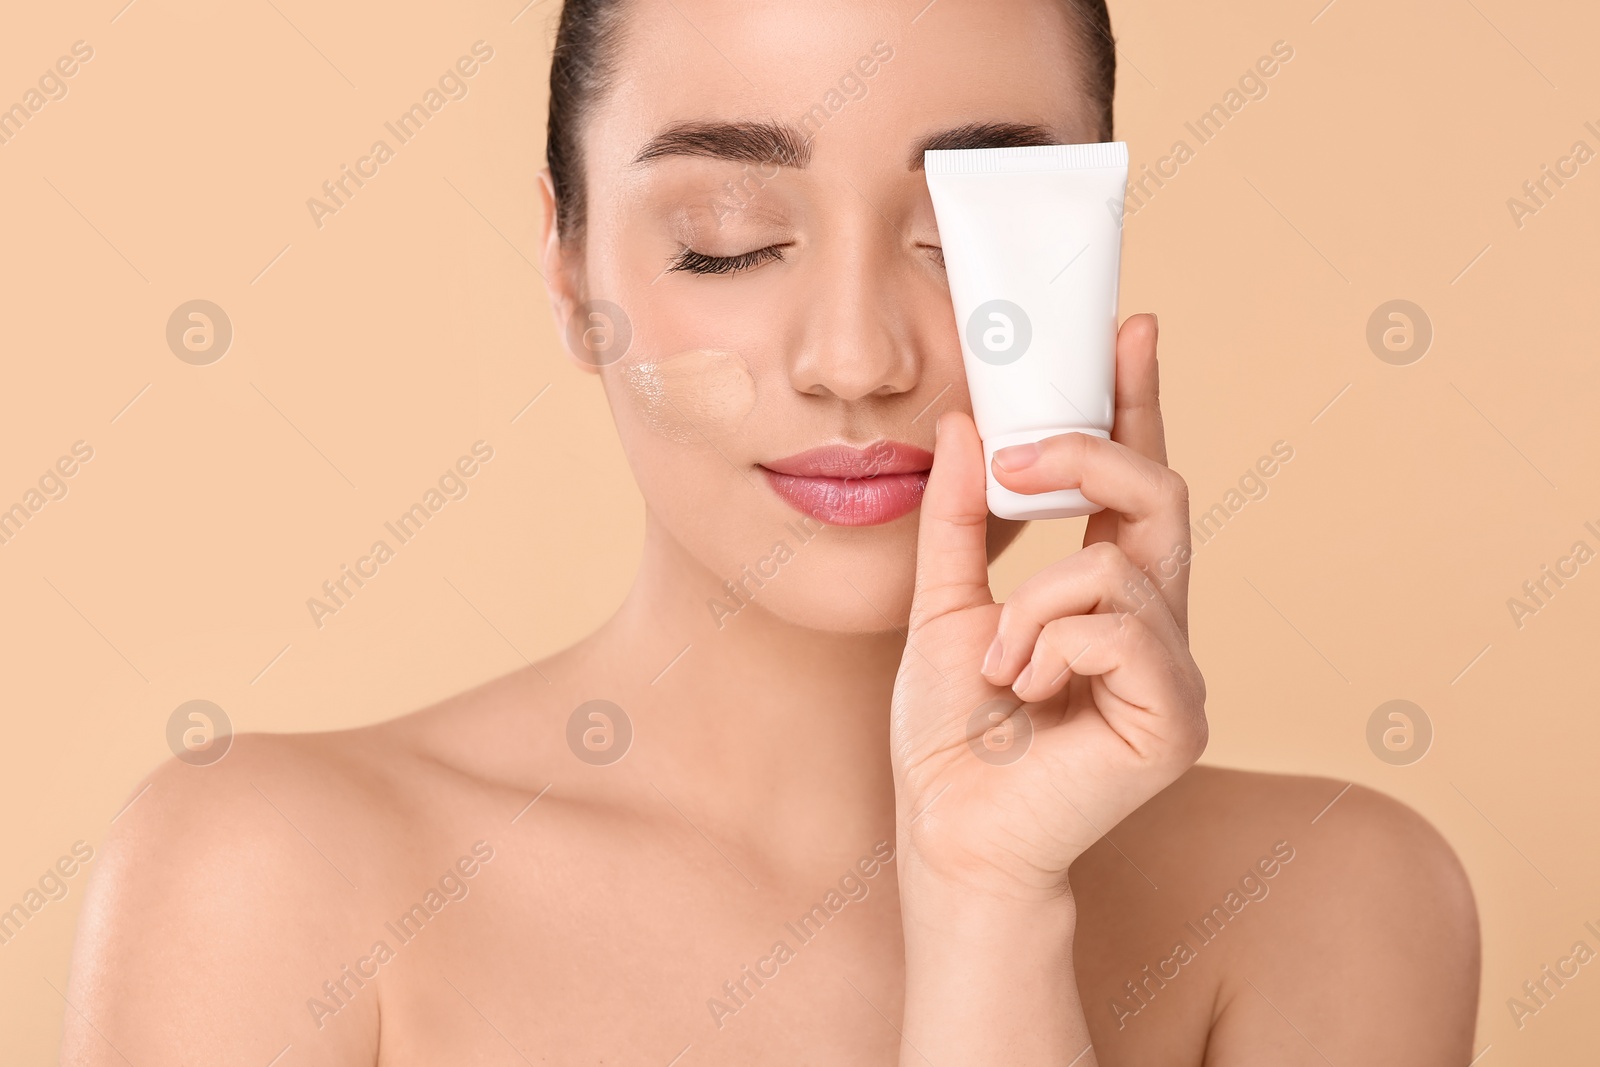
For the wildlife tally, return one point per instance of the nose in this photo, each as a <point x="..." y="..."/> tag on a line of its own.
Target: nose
<point x="855" y="337"/>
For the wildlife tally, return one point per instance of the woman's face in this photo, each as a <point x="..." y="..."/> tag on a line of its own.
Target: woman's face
<point x="763" y="266"/>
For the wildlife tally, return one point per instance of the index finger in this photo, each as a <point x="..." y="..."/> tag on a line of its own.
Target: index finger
<point x="1146" y="499"/>
<point x="1138" y="392"/>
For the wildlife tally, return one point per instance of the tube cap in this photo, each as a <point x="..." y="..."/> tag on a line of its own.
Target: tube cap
<point x="1057" y="504"/>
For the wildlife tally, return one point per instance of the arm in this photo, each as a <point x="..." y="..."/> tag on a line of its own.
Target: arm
<point x="994" y="803"/>
<point x="988" y="981"/>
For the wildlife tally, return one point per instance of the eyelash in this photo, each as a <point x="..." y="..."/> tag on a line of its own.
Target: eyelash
<point x="700" y="263"/>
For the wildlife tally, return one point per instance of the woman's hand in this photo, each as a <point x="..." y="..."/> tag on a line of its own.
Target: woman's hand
<point x="1023" y="732"/>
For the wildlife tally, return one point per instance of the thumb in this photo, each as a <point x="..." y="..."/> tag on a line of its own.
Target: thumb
<point x="952" y="557"/>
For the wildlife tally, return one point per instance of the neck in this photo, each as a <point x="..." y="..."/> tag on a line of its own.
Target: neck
<point x="761" y="728"/>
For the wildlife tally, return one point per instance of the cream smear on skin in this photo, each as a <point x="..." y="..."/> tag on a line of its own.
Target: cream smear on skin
<point x="692" y="397"/>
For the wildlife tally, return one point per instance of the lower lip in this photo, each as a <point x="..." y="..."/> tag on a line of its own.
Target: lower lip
<point x="851" y="501"/>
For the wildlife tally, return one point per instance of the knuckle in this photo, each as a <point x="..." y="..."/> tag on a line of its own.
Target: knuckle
<point x="1105" y="553"/>
<point x="1199" y="737"/>
<point x="1052" y="638"/>
<point x="1108" y="562"/>
<point x="1063" y="642"/>
<point x="1020" y="609"/>
<point x="1177" y="488"/>
<point x="1073" y="451"/>
<point x="1130" y="634"/>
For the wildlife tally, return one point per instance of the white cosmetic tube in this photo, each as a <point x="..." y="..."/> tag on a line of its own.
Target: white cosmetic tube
<point x="1032" y="242"/>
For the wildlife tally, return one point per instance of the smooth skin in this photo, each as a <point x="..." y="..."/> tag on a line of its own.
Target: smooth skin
<point x="1031" y="908"/>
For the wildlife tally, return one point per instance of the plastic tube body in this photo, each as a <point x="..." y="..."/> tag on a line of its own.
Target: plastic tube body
<point x="1032" y="241"/>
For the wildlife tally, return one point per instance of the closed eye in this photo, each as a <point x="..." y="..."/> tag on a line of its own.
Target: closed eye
<point x="700" y="263"/>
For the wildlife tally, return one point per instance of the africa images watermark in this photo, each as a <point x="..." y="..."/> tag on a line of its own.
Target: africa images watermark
<point x="1552" y="979"/>
<point x="452" y="485"/>
<point x="1252" y="888"/>
<point x="51" y="887"/>
<point x="451" y="887"/>
<point x="599" y="732"/>
<point x="1537" y="592"/>
<point x="1538" y="192"/>
<point x="50" y="87"/>
<point x="452" y="85"/>
<point x="738" y="593"/>
<point x="52" y="485"/>
<point x="853" y="887"/>
<point x="851" y="87"/>
<point x="1252" y="486"/>
<point x="1252" y="86"/>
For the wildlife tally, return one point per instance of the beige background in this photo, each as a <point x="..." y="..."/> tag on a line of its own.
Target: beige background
<point x="371" y="352"/>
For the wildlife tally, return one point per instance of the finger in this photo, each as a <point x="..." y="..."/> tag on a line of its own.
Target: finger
<point x="1138" y="393"/>
<point x="1153" y="703"/>
<point x="952" y="564"/>
<point x="1150" y="500"/>
<point x="1138" y="408"/>
<point x="1109" y="473"/>
<point x="1100" y="645"/>
<point x="1098" y="580"/>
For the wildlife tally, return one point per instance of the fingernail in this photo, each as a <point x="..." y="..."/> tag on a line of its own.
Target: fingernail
<point x="991" y="659"/>
<point x="1017" y="457"/>
<point x="1021" y="683"/>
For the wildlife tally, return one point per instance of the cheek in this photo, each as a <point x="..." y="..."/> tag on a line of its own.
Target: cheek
<point x="691" y="398"/>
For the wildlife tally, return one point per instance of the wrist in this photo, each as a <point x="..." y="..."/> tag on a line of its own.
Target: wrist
<point x="989" y="972"/>
<point x="939" y="890"/>
<point x="950" y="918"/>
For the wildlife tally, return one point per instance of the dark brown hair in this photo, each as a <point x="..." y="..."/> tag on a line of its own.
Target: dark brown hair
<point x="589" y="38"/>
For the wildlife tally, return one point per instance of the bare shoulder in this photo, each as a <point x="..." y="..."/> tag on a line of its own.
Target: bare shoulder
<point x="237" y="890"/>
<point x="1318" y="917"/>
<point x="1350" y="827"/>
<point x="1359" y="853"/>
<point x="212" y="894"/>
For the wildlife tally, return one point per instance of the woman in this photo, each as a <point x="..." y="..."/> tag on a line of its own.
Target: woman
<point x="804" y="824"/>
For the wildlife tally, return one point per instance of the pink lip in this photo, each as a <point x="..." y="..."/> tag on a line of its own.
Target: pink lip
<point x="845" y="486"/>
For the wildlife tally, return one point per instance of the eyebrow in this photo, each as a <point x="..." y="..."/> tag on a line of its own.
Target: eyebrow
<point x="983" y="135"/>
<point x="762" y="142"/>
<point x="738" y="142"/>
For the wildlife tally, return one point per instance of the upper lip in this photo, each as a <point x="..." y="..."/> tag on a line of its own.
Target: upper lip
<point x="847" y="461"/>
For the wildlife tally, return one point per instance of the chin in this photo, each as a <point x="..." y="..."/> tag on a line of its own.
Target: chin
<point x="847" y="589"/>
<point x="826" y="612"/>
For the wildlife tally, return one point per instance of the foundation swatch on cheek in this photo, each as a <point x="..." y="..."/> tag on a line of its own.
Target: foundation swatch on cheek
<point x="694" y="396"/>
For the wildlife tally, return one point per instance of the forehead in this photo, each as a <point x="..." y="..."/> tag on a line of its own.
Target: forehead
<point x="880" y="74"/>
